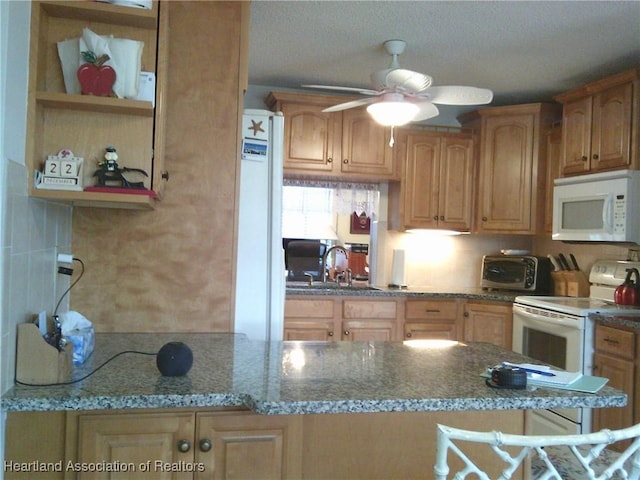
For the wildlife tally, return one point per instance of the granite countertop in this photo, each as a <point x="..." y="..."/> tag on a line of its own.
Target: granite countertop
<point x="296" y="378"/>
<point x="301" y="288"/>
<point x="617" y="320"/>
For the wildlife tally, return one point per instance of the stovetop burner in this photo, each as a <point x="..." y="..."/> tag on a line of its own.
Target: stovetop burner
<point x="605" y="276"/>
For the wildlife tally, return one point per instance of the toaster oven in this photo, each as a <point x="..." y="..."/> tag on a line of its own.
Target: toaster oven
<point x="520" y="273"/>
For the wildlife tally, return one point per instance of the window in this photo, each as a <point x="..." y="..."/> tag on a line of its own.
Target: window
<point x="308" y="212"/>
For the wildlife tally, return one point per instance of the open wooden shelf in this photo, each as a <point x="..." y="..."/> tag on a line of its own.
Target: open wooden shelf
<point x="104" y="12"/>
<point x="95" y="104"/>
<point x="131" y="201"/>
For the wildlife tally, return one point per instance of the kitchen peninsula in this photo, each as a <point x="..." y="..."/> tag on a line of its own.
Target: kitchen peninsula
<point x="315" y="409"/>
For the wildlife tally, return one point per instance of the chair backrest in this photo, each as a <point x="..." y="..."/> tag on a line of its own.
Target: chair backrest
<point x="535" y="444"/>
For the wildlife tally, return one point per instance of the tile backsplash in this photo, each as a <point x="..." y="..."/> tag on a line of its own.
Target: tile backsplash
<point x="35" y="230"/>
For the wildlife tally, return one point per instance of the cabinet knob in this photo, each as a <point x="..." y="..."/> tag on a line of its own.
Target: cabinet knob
<point x="465" y="314"/>
<point x="205" y="445"/>
<point x="484" y="219"/>
<point x="346" y="332"/>
<point x="330" y="334"/>
<point x="408" y="334"/>
<point x="329" y="160"/>
<point x="165" y="175"/>
<point x="584" y="158"/>
<point x="345" y="161"/>
<point x="441" y="217"/>
<point x="596" y="156"/>
<point x="435" y="217"/>
<point x="184" y="446"/>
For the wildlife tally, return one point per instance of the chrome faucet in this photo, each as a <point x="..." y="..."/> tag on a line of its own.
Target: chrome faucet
<point x="326" y="255"/>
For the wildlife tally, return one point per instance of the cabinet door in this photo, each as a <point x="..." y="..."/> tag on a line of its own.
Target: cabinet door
<point x="369" y="330"/>
<point x="456" y="184"/>
<point x="365" y="145"/>
<point x="620" y="373"/>
<point x="369" y="320"/>
<point x="421" y="178"/>
<point x="432" y="319"/>
<point x="576" y="132"/>
<point x="610" y="135"/>
<point x="249" y="446"/>
<point x="316" y="330"/>
<point x="133" y="440"/>
<point x="506" y="171"/>
<point x="492" y="323"/>
<point x="310" y="318"/>
<point x="309" y="140"/>
<point x="430" y="331"/>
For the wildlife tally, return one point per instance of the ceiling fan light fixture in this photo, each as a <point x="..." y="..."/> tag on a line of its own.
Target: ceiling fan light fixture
<point x="393" y="112"/>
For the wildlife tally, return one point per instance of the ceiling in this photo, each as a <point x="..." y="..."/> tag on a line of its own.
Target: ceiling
<point x="525" y="51"/>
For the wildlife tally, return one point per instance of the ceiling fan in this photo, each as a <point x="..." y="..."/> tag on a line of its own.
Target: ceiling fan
<point x="400" y="96"/>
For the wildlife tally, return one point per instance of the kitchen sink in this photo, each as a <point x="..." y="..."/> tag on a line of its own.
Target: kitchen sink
<point x="329" y="286"/>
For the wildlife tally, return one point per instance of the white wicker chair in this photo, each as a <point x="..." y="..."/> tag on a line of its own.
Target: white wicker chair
<point x="534" y="444"/>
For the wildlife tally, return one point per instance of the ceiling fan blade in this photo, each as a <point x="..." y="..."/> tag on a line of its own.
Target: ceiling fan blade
<point x="407" y="80"/>
<point x="351" y="104"/>
<point x="458" y="95"/>
<point x="363" y="91"/>
<point x="427" y="110"/>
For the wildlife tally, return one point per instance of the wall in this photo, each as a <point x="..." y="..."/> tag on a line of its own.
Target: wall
<point x="586" y="254"/>
<point x="172" y="269"/>
<point x="31" y="230"/>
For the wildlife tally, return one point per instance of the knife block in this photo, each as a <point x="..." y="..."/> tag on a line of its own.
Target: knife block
<point x="570" y="283"/>
<point x="39" y="363"/>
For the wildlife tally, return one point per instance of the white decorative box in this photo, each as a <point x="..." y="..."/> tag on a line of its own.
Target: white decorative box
<point x="63" y="171"/>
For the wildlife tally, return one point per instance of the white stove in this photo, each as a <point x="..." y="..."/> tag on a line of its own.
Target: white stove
<point x="559" y="331"/>
<point x="579" y="306"/>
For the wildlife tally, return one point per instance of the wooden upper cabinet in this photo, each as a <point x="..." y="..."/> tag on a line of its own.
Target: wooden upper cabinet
<point x="554" y="155"/>
<point x="456" y="183"/>
<point x="346" y="144"/>
<point x="511" y="181"/>
<point x="576" y="124"/>
<point x="86" y="124"/>
<point x="310" y="137"/>
<point x="436" y="187"/>
<point x="600" y="125"/>
<point x="365" y="145"/>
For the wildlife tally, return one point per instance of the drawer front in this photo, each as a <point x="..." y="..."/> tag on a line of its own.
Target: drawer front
<point x="369" y="309"/>
<point x="431" y="310"/>
<point x="617" y="342"/>
<point x="299" y="308"/>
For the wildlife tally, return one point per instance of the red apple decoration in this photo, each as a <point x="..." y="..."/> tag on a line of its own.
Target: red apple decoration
<point x="96" y="78"/>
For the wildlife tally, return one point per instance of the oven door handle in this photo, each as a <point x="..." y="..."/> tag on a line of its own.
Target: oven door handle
<point x="566" y="322"/>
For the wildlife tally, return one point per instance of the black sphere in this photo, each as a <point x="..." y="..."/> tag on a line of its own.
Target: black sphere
<point x="174" y="359"/>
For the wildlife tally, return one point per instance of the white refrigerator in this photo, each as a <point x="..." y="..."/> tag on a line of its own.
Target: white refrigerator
<point x="260" y="280"/>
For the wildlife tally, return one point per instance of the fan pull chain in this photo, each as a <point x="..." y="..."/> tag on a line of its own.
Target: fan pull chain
<point x="392" y="140"/>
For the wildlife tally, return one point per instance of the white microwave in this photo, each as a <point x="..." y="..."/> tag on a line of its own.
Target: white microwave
<point x="599" y="207"/>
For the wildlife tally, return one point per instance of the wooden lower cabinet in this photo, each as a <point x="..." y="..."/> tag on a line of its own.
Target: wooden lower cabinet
<point x="616" y="358"/>
<point x="490" y="322"/>
<point x="196" y="445"/>
<point x="370" y="320"/>
<point x="397" y="318"/>
<point x="244" y="445"/>
<point x="342" y="318"/>
<point x="311" y="318"/>
<point x="433" y="319"/>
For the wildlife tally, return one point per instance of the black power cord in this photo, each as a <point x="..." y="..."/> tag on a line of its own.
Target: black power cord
<point x="68" y="271"/>
<point x="88" y="374"/>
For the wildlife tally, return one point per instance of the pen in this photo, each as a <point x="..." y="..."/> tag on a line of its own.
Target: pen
<point x="529" y="370"/>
